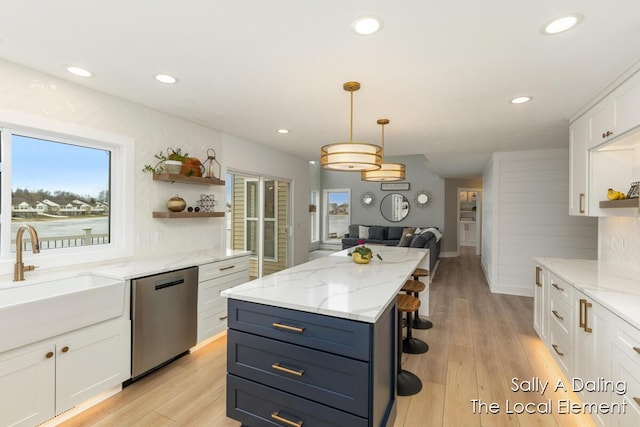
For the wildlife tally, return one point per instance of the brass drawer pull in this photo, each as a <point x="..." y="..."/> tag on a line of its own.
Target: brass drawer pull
<point x="276" y="416"/>
<point x="555" y="313"/>
<point x="538" y="270"/>
<point x="637" y="400"/>
<point x="298" y="372"/>
<point x="581" y="202"/>
<point x="587" y="306"/>
<point x="637" y="349"/>
<point x="227" y="268"/>
<point x="65" y="349"/>
<point x="223" y="318"/>
<point x="555" y="285"/>
<point x="49" y="355"/>
<point x="555" y="347"/>
<point x="288" y="328"/>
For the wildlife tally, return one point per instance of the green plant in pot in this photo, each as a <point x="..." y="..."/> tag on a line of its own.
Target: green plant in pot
<point x="362" y="254"/>
<point x="161" y="166"/>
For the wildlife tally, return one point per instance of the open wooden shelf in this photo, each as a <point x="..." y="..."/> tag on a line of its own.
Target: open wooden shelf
<point x="184" y="214"/>
<point x="626" y="203"/>
<point x="175" y="177"/>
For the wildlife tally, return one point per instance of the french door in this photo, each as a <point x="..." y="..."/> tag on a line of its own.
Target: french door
<point x="259" y="221"/>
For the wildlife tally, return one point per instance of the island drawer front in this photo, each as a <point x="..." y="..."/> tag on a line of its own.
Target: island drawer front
<point x="254" y="404"/>
<point x="335" y="381"/>
<point x="560" y="347"/>
<point x="222" y="268"/>
<point x="331" y="334"/>
<point x="560" y="313"/>
<point x="561" y="289"/>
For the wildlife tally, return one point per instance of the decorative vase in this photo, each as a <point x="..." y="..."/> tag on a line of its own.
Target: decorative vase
<point x="176" y="204"/>
<point x="172" y="166"/>
<point x="361" y="259"/>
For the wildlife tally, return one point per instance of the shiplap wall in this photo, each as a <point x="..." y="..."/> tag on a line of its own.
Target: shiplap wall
<point x="526" y="214"/>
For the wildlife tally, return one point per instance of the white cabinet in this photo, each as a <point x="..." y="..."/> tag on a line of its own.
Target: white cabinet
<point x="540" y="299"/>
<point x="625" y="367"/>
<point x="467" y="233"/>
<point x="42" y="380"/>
<point x="592" y="351"/>
<point x="578" y="175"/>
<point x="213" y="278"/>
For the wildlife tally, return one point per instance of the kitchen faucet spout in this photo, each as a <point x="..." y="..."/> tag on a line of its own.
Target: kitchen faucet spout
<point x="19" y="267"/>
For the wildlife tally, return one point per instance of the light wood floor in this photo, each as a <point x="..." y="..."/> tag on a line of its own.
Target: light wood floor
<point x="480" y="341"/>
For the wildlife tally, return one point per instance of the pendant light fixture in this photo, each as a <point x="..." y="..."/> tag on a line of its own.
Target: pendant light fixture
<point x="387" y="171"/>
<point x="351" y="156"/>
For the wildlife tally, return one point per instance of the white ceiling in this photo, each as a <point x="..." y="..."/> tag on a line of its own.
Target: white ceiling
<point x="441" y="71"/>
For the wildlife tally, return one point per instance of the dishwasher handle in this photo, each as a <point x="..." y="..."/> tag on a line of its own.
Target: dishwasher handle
<point x="173" y="282"/>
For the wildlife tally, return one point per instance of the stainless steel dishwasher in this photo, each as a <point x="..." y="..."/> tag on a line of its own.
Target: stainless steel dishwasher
<point x="163" y="317"/>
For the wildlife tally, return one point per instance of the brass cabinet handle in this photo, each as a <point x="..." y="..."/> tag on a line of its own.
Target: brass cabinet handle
<point x="538" y="270"/>
<point x="587" y="306"/>
<point x="555" y="347"/>
<point x="65" y="349"/>
<point x="637" y="400"/>
<point x="276" y="416"/>
<point x="555" y="285"/>
<point x="288" y="328"/>
<point x="580" y="316"/>
<point x="581" y="202"/>
<point x="223" y="317"/>
<point x="298" y="372"/>
<point x="49" y="355"/>
<point x="637" y="349"/>
<point x="227" y="268"/>
<point x="555" y="313"/>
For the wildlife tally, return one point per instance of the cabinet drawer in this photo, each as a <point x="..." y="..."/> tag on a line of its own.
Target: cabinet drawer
<point x="626" y="370"/>
<point x="332" y="380"/>
<point x="627" y="338"/>
<point x="254" y="404"/>
<point x="209" y="290"/>
<point x="560" y="347"/>
<point x="222" y="268"/>
<point x="211" y="322"/>
<point x="560" y="312"/>
<point x="339" y="336"/>
<point x="560" y="289"/>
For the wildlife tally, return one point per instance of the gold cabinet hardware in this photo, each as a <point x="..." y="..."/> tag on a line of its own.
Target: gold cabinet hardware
<point x="555" y="313"/>
<point x="288" y="328"/>
<point x="555" y="285"/>
<point x="587" y="306"/>
<point x="296" y="372"/>
<point x="637" y="349"/>
<point x="223" y="317"/>
<point x="637" y="400"/>
<point x="555" y="347"/>
<point x="276" y="416"/>
<point x="538" y="270"/>
<point x="227" y="268"/>
<point x="581" y="202"/>
<point x="65" y="349"/>
<point x="49" y="355"/>
<point x="580" y="316"/>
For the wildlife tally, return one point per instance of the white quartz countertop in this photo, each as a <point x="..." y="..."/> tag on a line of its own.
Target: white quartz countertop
<point x="335" y="285"/>
<point x="614" y="287"/>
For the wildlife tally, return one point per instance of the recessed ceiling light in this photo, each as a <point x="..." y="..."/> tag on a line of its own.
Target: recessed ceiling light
<point x="367" y="25"/>
<point x="78" y="71"/>
<point x="283" y="131"/>
<point x="562" y="24"/>
<point x="521" y="100"/>
<point x="166" y="78"/>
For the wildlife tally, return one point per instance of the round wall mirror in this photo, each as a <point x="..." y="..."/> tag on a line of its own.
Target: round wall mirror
<point x="367" y="199"/>
<point x="394" y="207"/>
<point x="423" y="198"/>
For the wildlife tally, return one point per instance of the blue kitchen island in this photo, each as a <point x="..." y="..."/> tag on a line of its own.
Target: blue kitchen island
<point x="315" y="345"/>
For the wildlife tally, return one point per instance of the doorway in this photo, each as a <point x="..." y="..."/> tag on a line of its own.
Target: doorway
<point x="469" y="215"/>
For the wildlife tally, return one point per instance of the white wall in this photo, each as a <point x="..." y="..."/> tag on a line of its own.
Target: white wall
<point x="526" y="214"/>
<point x="25" y="91"/>
<point x="619" y="241"/>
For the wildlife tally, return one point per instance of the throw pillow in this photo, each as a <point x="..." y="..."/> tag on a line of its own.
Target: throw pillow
<point x="406" y="239"/>
<point x="408" y="230"/>
<point x="363" y="232"/>
<point x="417" y="241"/>
<point x="394" y="233"/>
<point x="376" y="233"/>
<point x="418" y="230"/>
<point x="354" y="231"/>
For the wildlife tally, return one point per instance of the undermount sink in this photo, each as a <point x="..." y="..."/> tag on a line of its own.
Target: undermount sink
<point x="31" y="312"/>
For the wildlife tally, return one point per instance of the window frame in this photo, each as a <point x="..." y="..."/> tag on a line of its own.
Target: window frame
<point x="122" y="150"/>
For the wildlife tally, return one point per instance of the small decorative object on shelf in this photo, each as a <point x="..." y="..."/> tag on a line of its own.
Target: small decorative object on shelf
<point x="162" y="166"/>
<point x="362" y="254"/>
<point x="615" y="195"/>
<point x="209" y="167"/>
<point x="207" y="203"/>
<point x="191" y="167"/>
<point x="634" y="190"/>
<point x="176" y="204"/>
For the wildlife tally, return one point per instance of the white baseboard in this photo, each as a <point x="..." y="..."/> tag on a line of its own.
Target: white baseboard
<point x="449" y="254"/>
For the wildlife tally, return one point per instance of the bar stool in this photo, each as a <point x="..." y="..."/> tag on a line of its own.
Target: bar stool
<point x="409" y="344"/>
<point x="419" y="323"/>
<point x="408" y="383"/>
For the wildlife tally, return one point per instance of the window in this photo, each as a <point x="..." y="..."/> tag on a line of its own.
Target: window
<point x="314" y="217"/>
<point x="269" y="221"/>
<point x="69" y="184"/>
<point x="337" y="205"/>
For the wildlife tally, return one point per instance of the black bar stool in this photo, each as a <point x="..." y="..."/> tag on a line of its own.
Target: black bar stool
<point x="419" y="323"/>
<point x="409" y="344"/>
<point x="408" y="383"/>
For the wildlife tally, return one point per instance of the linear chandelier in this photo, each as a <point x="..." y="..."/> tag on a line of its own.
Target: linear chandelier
<point x="387" y="171"/>
<point x="351" y="156"/>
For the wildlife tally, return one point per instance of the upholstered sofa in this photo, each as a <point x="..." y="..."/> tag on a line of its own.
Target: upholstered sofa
<point x="396" y="236"/>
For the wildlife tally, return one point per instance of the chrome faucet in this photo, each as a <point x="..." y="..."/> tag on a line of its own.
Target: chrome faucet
<point x="19" y="268"/>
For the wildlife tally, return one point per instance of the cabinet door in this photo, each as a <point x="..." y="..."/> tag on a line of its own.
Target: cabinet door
<point x="627" y="105"/>
<point x="579" y="167"/>
<point x="601" y="122"/>
<point x="91" y="361"/>
<point x="540" y="303"/>
<point x="27" y="383"/>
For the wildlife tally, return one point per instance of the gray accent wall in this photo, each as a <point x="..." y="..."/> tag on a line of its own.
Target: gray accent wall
<point x="418" y="176"/>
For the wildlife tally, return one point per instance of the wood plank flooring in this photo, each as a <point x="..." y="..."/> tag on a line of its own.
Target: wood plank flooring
<point x="479" y="343"/>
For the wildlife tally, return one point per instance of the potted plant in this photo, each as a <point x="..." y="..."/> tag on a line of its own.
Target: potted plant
<point x="362" y="254"/>
<point x="170" y="163"/>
